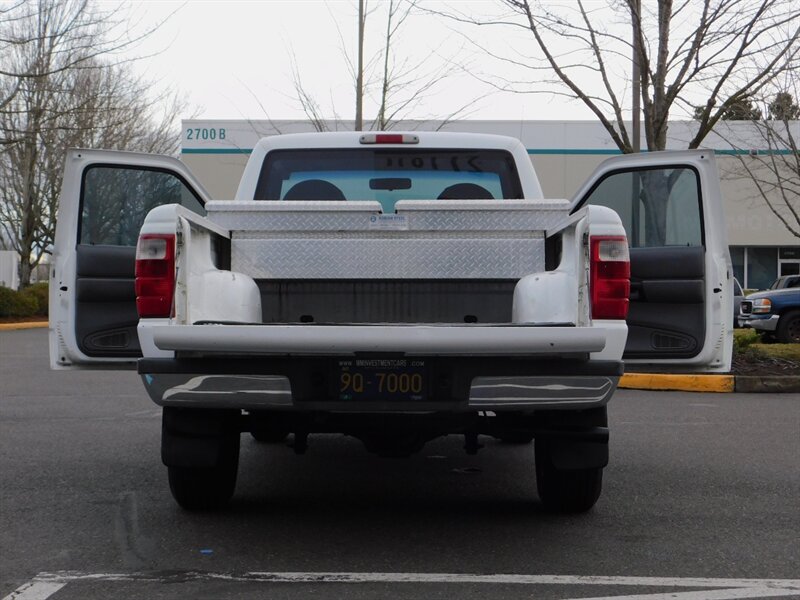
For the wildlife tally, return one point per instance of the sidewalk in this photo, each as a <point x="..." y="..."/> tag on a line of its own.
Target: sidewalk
<point x="643" y="381"/>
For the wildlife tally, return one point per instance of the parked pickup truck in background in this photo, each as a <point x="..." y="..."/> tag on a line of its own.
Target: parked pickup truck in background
<point x="787" y="281"/>
<point x="391" y="287"/>
<point x="775" y="313"/>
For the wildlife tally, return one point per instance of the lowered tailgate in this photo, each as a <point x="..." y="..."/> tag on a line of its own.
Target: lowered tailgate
<point x="484" y="340"/>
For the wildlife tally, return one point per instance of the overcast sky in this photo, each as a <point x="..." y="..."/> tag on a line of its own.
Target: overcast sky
<point x="233" y="59"/>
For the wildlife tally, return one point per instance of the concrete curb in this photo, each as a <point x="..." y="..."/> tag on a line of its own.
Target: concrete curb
<point x="681" y="383"/>
<point x="25" y="325"/>
<point x="710" y="383"/>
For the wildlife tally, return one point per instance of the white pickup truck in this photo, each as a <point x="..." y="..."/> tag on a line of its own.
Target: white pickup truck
<point x="395" y="287"/>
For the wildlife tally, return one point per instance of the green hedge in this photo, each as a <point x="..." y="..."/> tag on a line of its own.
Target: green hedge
<point x="29" y="302"/>
<point x="40" y="293"/>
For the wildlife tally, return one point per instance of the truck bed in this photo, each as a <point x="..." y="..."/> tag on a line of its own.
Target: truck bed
<point x="346" y="262"/>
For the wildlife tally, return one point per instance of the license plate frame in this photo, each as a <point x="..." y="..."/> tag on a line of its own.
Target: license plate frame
<point x="381" y="379"/>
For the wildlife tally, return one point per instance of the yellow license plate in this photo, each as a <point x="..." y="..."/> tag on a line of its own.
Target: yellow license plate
<point x="387" y="379"/>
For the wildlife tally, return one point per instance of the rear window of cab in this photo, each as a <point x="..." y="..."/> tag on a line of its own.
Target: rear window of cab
<point x="388" y="175"/>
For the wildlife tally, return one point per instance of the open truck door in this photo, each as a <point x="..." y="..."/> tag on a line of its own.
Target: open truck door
<point x="681" y="275"/>
<point x="105" y="197"/>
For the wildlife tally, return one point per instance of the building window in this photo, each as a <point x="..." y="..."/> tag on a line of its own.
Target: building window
<point x="789" y="253"/>
<point x="789" y="261"/>
<point x="737" y="257"/>
<point x="762" y="267"/>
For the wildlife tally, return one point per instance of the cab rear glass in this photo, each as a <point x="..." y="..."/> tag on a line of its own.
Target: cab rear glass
<point x="387" y="175"/>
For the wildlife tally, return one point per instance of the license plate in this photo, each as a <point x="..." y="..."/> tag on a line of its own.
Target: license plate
<point x="386" y="379"/>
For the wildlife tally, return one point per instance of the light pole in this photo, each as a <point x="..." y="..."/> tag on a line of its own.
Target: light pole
<point x="636" y="14"/>
<point x="360" y="73"/>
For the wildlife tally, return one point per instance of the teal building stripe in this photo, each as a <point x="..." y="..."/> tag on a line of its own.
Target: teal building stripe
<point x="584" y="151"/>
<point x="543" y="151"/>
<point x="614" y="151"/>
<point x="759" y="151"/>
<point x="216" y="150"/>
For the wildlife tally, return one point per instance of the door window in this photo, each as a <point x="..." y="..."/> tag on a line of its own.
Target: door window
<point x="658" y="207"/>
<point x="115" y="200"/>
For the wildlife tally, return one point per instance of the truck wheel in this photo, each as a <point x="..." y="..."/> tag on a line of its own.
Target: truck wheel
<point x="789" y="328"/>
<point x="200" y="448"/>
<point x="206" y="488"/>
<point x="515" y="437"/>
<point x="565" y="491"/>
<point x="269" y="437"/>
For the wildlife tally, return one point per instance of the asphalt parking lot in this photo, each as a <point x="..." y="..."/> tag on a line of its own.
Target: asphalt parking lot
<point x="700" y="501"/>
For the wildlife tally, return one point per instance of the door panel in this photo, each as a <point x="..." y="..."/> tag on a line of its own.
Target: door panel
<point x="666" y="316"/>
<point x="115" y="200"/>
<point x="105" y="198"/>
<point x="681" y="276"/>
<point x="105" y="302"/>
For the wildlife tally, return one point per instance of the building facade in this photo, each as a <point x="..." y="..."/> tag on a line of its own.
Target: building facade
<point x="564" y="154"/>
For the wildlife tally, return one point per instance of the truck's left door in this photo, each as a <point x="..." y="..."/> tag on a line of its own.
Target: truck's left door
<point x="105" y="197"/>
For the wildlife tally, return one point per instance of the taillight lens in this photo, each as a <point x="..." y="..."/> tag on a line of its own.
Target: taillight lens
<point x="155" y="275"/>
<point x="610" y="282"/>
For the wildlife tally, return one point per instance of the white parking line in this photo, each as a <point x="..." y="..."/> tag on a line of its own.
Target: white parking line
<point x="726" y="594"/>
<point x="36" y="590"/>
<point x="45" y="585"/>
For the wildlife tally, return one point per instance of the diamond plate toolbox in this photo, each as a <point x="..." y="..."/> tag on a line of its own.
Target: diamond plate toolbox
<point x="441" y="239"/>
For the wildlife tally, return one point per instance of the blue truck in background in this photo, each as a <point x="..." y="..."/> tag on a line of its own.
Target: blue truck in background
<point x="775" y="312"/>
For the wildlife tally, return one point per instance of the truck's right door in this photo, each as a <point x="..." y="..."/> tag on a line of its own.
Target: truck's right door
<point x="680" y="316"/>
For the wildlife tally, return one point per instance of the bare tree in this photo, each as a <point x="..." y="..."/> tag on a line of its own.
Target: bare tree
<point x="42" y="39"/>
<point x="61" y="92"/>
<point x="394" y="84"/>
<point x="308" y="102"/>
<point x="708" y="53"/>
<point x="743" y="110"/>
<point x="775" y="170"/>
<point x="405" y="84"/>
<point x="715" y="54"/>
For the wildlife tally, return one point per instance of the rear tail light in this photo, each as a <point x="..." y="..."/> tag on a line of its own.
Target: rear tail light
<point x="155" y="275"/>
<point x="610" y="277"/>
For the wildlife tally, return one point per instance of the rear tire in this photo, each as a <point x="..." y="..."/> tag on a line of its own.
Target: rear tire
<point x="788" y="331"/>
<point x="768" y="338"/>
<point x="269" y="437"/>
<point x="565" y="491"/>
<point x="201" y="451"/>
<point x="515" y="437"/>
<point x="203" y="488"/>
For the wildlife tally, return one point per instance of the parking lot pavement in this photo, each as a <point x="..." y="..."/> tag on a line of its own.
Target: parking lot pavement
<point x="700" y="498"/>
